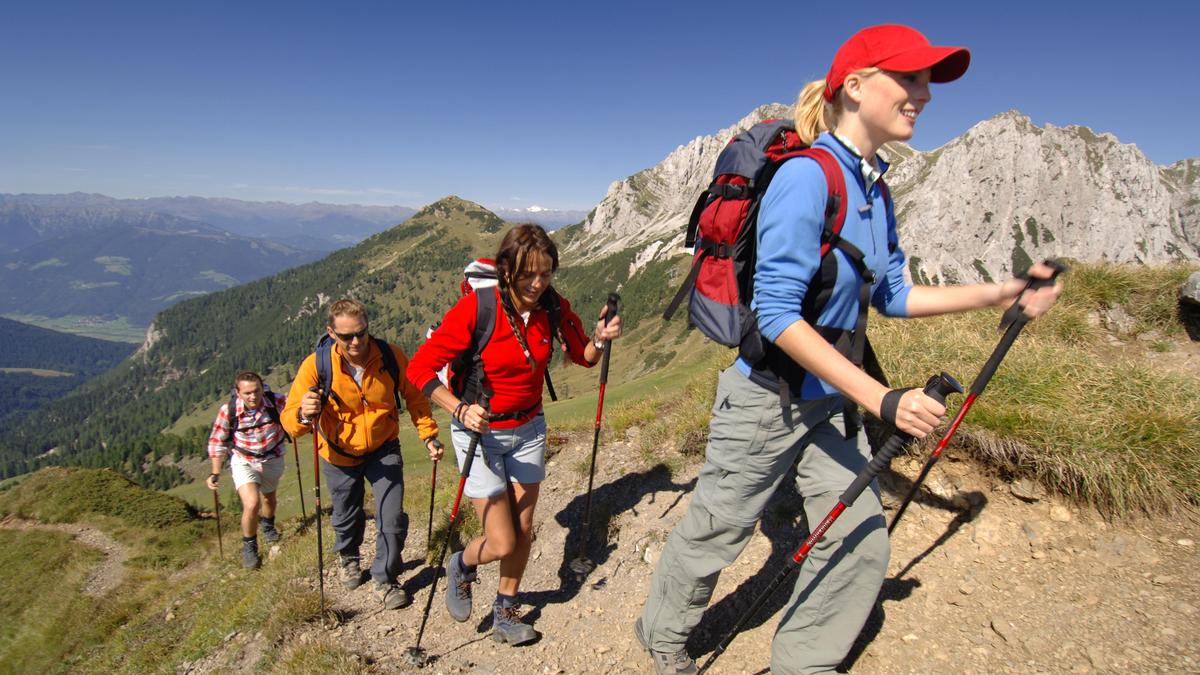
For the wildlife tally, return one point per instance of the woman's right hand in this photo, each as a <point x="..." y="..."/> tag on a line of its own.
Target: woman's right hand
<point x="212" y="482"/>
<point x="475" y="418"/>
<point x="917" y="414"/>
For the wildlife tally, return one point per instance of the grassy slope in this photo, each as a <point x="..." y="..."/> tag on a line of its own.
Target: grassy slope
<point x="1054" y="399"/>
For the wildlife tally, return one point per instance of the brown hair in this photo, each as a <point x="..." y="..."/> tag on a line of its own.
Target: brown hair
<point x="347" y="307"/>
<point x="247" y="376"/>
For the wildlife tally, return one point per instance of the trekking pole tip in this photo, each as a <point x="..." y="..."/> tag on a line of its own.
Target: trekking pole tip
<point x="416" y="656"/>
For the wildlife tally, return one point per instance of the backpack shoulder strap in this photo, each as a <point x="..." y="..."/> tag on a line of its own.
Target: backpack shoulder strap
<point x="554" y="311"/>
<point x="485" y="319"/>
<point x="835" y="204"/>
<point x="273" y="411"/>
<point x="392" y="368"/>
<point x="324" y="358"/>
<point x="232" y="415"/>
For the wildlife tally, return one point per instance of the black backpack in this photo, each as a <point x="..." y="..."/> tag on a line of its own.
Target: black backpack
<point x="272" y="408"/>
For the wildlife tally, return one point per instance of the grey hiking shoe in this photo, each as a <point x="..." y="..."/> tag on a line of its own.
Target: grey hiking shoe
<point x="391" y="595"/>
<point x="458" y="589"/>
<point x="250" y="559"/>
<point x="269" y="533"/>
<point x="665" y="663"/>
<point x="350" y="574"/>
<point x="507" y="627"/>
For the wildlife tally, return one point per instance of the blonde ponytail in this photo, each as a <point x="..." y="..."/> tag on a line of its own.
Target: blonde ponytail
<point x="813" y="114"/>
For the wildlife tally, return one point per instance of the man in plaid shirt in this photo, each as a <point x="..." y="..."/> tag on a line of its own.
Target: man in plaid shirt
<point x="255" y="445"/>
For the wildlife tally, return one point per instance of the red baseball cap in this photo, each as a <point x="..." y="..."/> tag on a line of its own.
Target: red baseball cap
<point x="895" y="47"/>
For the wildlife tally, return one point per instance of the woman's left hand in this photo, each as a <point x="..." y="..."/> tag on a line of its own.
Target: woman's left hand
<point x="1033" y="303"/>
<point x="607" y="331"/>
<point x="435" y="448"/>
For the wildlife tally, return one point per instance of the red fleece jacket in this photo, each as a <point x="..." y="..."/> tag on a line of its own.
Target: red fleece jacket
<point x="515" y="386"/>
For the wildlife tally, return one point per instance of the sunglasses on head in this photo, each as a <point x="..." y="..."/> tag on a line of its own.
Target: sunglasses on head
<point x="347" y="337"/>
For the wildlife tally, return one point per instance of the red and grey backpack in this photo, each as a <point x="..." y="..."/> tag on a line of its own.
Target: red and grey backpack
<point x="723" y="230"/>
<point x="465" y="372"/>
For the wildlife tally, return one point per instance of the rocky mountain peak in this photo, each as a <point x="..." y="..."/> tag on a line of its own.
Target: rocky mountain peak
<point x="982" y="206"/>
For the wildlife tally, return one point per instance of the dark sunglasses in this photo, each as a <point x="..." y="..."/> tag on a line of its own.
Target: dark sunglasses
<point x="347" y="337"/>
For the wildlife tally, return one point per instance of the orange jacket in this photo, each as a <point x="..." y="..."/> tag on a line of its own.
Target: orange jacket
<point x="369" y="418"/>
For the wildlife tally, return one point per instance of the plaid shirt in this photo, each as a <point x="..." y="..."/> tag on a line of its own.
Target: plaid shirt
<point x="256" y="431"/>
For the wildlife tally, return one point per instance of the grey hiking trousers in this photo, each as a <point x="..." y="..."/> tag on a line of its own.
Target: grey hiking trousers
<point x="384" y="468"/>
<point x="750" y="449"/>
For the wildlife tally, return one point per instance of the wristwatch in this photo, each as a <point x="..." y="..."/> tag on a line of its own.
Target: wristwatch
<point x="600" y="345"/>
<point x="303" y="420"/>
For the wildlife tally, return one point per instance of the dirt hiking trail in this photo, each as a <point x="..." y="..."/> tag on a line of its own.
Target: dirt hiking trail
<point x="980" y="581"/>
<point x="106" y="575"/>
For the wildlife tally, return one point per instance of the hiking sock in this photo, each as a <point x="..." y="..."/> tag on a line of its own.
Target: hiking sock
<point x="250" y="540"/>
<point x="503" y="600"/>
<point x="466" y="569"/>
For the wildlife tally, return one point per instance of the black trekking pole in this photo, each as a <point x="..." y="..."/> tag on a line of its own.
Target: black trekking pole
<point x="582" y="564"/>
<point x="300" y="486"/>
<point x="432" y="491"/>
<point x="415" y="655"/>
<point x="220" y="539"/>
<point x="938" y="388"/>
<point x="313" y="429"/>
<point x="1011" y="324"/>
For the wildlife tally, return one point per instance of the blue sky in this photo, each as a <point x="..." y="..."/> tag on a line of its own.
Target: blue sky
<point x="533" y="103"/>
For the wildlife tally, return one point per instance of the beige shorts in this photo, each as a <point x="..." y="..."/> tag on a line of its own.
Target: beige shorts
<point x="264" y="472"/>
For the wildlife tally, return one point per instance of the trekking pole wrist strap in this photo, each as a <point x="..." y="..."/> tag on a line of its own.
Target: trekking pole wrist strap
<point x="891" y="404"/>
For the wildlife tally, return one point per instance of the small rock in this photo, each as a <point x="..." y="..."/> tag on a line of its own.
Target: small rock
<point x="1033" y="531"/>
<point x="649" y="556"/>
<point x="1002" y="628"/>
<point x="911" y="637"/>
<point x="1038" y="554"/>
<point x="1060" y="514"/>
<point x="966" y="588"/>
<point x="170" y="616"/>
<point x="1162" y="580"/>
<point x="1183" y="608"/>
<point x="1185" y="542"/>
<point x="274" y="552"/>
<point x="1027" y="489"/>
<point x="537" y="554"/>
<point x="1095" y="657"/>
<point x="231" y="635"/>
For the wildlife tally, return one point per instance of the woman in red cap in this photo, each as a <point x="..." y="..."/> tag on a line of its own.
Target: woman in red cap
<point x="810" y="314"/>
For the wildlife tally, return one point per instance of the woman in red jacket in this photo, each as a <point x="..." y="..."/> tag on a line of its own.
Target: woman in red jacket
<point x="510" y="462"/>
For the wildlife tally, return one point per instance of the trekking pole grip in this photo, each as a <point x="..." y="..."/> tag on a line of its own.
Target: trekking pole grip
<point x="609" y="315"/>
<point x="938" y="388"/>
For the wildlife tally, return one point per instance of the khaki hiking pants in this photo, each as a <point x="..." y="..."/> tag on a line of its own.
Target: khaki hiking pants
<point x="750" y="449"/>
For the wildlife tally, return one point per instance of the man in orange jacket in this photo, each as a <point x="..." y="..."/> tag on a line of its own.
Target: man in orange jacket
<point x="357" y="441"/>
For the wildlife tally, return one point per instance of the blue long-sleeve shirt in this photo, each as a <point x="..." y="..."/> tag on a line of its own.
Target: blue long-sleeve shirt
<point x="790" y="221"/>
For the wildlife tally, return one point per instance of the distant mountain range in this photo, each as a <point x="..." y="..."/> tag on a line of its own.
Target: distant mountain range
<point x="27" y="218"/>
<point x="551" y="219"/>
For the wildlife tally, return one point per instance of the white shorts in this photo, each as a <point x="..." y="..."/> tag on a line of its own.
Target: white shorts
<point x="264" y="472"/>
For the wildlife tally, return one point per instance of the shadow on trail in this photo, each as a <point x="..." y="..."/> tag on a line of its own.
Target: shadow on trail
<point x="898" y="588"/>
<point x="784" y="525"/>
<point x="608" y="501"/>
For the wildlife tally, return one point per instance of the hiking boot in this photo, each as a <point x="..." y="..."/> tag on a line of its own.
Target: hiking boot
<point x="269" y="533"/>
<point x="665" y="663"/>
<point x="458" y="589"/>
<point x="250" y="559"/>
<point x="391" y="595"/>
<point x="507" y="627"/>
<point x="350" y="574"/>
